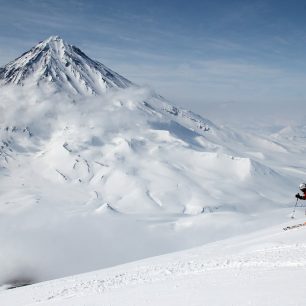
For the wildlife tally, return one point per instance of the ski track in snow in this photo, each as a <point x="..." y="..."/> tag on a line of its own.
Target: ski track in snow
<point x="278" y="257"/>
<point x="260" y="260"/>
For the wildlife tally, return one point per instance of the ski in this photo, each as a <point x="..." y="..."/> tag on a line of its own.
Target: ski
<point x="294" y="226"/>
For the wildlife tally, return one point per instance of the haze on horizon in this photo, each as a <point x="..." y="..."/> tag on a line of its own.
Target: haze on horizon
<point x="228" y="60"/>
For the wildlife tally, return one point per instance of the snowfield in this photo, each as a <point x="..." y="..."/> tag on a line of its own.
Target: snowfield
<point x="263" y="268"/>
<point x="107" y="180"/>
<point x="96" y="172"/>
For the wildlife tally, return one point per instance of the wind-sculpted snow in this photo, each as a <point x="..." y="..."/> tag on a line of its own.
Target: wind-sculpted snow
<point x="110" y="179"/>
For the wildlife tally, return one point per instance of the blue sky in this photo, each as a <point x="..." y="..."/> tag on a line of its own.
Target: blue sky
<point x="198" y="54"/>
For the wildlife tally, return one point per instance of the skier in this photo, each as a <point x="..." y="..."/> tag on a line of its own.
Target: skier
<point x="303" y="189"/>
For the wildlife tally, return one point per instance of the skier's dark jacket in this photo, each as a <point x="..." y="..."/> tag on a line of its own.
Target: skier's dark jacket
<point x="301" y="197"/>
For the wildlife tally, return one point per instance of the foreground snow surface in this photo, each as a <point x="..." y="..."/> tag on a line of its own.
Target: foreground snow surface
<point x="264" y="268"/>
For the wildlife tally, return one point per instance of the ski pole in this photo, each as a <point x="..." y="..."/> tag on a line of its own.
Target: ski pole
<point x="293" y="213"/>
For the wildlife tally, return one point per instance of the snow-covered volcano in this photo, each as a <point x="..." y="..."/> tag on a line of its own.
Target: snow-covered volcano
<point x="89" y="181"/>
<point x="66" y="67"/>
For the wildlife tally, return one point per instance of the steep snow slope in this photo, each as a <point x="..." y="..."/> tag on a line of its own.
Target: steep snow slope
<point x="263" y="268"/>
<point x="63" y="66"/>
<point x="90" y="182"/>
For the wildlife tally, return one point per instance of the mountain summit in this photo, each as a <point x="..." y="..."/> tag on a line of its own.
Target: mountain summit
<point x="64" y="66"/>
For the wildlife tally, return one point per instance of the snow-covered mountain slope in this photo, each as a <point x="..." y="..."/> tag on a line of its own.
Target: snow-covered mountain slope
<point x="65" y="67"/>
<point x="87" y="182"/>
<point x="263" y="268"/>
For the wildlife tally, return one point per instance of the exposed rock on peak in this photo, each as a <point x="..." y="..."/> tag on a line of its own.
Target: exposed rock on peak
<point x="63" y="66"/>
